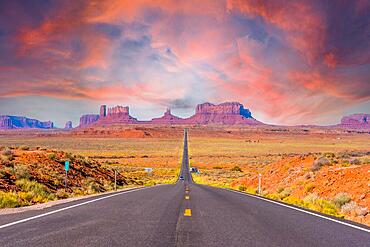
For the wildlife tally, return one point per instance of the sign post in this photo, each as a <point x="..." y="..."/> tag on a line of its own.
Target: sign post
<point x="66" y="167"/>
<point x="259" y="183"/>
<point x="115" y="179"/>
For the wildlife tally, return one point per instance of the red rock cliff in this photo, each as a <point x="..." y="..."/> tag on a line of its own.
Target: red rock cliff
<point x="356" y="121"/>
<point x="228" y="113"/>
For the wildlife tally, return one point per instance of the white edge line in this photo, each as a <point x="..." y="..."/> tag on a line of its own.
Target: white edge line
<point x="302" y="210"/>
<point x="69" y="207"/>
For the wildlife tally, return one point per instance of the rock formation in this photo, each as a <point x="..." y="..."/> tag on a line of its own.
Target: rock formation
<point x="68" y="125"/>
<point x="118" y="115"/>
<point x="356" y="121"/>
<point x="103" y="111"/>
<point x="167" y="118"/>
<point x="17" y="122"/>
<point x="88" y="119"/>
<point x="228" y="113"/>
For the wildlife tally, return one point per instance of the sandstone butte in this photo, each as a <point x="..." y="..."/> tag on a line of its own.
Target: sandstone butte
<point x="229" y="113"/>
<point x="358" y="121"/>
<point x="68" y="125"/>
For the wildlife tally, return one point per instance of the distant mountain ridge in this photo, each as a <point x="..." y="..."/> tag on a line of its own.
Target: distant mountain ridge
<point x="228" y="113"/>
<point x="19" y="122"/>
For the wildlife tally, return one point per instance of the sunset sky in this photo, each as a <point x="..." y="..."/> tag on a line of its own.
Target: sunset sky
<point x="289" y="62"/>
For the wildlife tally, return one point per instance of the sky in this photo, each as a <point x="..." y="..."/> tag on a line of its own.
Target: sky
<point x="289" y="62"/>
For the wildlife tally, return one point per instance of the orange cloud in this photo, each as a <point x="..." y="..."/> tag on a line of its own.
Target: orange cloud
<point x="278" y="57"/>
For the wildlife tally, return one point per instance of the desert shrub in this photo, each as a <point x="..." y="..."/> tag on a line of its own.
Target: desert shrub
<point x="293" y="200"/>
<point x="311" y="198"/>
<point x="150" y="183"/>
<point x="351" y="208"/>
<point x="309" y="188"/>
<point x="21" y="171"/>
<point x="33" y="192"/>
<point x="24" y="147"/>
<point x="279" y="190"/>
<point x="366" y="161"/>
<point x="70" y="157"/>
<point x="285" y="193"/>
<point x="329" y="155"/>
<point x="8" y="200"/>
<point x="344" y="155"/>
<point x="314" y="202"/>
<point x="320" y="162"/>
<point x="236" y="169"/>
<point x="327" y="207"/>
<point x="251" y="190"/>
<point x="357" y="154"/>
<point x="8" y="155"/>
<point x="62" y="193"/>
<point x="91" y="186"/>
<point x="274" y="196"/>
<point x="361" y="211"/>
<point x="6" y="171"/>
<point x="355" y="162"/>
<point x="52" y="156"/>
<point x="7" y="152"/>
<point x="341" y="198"/>
<point x="242" y="188"/>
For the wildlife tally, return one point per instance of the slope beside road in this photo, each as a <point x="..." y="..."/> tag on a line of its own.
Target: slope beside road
<point x="181" y="214"/>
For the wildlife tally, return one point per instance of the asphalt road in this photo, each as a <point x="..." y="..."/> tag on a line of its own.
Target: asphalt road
<point x="182" y="214"/>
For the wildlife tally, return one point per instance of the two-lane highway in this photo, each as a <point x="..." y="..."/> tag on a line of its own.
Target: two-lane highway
<point x="181" y="214"/>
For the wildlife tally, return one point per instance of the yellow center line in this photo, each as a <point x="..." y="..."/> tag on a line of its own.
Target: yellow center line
<point x="187" y="197"/>
<point x="187" y="212"/>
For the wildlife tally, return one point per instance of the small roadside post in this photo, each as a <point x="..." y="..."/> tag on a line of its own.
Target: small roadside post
<point x="66" y="168"/>
<point x="115" y="179"/>
<point x="259" y="183"/>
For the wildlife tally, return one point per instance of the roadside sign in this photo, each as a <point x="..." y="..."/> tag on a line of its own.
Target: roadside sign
<point x="148" y="170"/>
<point x="66" y="165"/>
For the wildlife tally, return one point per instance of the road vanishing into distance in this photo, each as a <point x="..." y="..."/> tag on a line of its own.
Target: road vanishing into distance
<point x="181" y="214"/>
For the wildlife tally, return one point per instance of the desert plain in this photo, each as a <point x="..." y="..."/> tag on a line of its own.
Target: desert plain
<point x="325" y="170"/>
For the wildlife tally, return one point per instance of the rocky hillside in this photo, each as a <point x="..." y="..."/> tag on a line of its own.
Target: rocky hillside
<point x="33" y="176"/>
<point x="336" y="184"/>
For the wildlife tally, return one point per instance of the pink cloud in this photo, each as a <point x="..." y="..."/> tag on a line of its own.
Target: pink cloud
<point x="292" y="74"/>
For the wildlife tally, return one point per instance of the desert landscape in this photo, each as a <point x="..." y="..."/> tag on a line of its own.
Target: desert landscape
<point x="319" y="169"/>
<point x="185" y="123"/>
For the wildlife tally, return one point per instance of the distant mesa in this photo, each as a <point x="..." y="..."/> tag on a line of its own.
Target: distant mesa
<point x="88" y="119"/>
<point x="17" y="122"/>
<point x="68" y="125"/>
<point x="229" y="113"/>
<point x="356" y="121"/>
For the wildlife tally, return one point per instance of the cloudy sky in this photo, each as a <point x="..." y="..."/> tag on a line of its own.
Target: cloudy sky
<point x="289" y="62"/>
